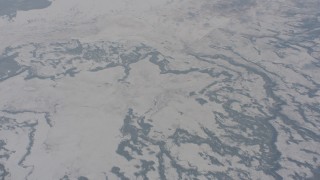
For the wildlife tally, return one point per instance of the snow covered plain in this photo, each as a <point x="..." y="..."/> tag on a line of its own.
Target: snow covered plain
<point x="159" y="89"/>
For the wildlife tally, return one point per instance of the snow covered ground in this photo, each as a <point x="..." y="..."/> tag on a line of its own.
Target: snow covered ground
<point x="159" y="89"/>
